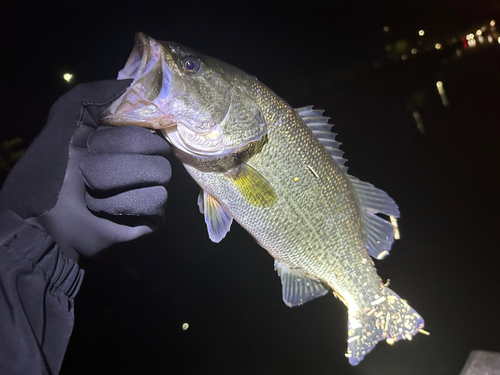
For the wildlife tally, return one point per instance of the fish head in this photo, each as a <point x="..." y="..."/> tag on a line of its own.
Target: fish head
<point x="203" y="106"/>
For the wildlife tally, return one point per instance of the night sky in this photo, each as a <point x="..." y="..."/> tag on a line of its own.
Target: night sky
<point x="444" y="177"/>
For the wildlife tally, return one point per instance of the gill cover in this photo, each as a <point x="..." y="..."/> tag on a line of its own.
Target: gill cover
<point x="203" y="106"/>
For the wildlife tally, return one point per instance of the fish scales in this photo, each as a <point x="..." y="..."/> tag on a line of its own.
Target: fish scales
<point x="276" y="171"/>
<point x="314" y="218"/>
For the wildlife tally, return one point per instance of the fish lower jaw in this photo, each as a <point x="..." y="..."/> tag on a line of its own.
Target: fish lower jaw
<point x="155" y="123"/>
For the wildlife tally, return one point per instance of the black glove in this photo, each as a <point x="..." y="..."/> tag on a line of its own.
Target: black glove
<point x="78" y="181"/>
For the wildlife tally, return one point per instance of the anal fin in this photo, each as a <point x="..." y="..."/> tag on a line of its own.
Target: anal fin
<point x="218" y="220"/>
<point x="297" y="289"/>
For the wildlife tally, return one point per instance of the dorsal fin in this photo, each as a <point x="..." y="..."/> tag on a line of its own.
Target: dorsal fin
<point x="380" y="233"/>
<point x="321" y="129"/>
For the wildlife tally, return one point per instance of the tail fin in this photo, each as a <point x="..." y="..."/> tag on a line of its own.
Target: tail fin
<point x="388" y="318"/>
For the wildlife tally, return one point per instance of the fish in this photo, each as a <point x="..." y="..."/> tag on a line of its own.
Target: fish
<point x="278" y="171"/>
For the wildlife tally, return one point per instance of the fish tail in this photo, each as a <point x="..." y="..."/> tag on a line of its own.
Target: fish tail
<point x="387" y="318"/>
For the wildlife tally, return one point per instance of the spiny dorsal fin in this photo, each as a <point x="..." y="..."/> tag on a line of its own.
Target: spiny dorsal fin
<point x="217" y="218"/>
<point x="321" y="129"/>
<point x="297" y="289"/>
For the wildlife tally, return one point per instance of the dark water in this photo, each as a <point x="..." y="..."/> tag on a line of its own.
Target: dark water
<point x="444" y="177"/>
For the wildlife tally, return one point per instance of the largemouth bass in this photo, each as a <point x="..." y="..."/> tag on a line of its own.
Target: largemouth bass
<point x="279" y="173"/>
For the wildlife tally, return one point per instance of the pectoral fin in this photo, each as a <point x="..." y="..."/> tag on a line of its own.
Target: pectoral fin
<point x="253" y="186"/>
<point x="217" y="218"/>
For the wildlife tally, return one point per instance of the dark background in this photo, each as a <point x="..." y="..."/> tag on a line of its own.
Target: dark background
<point x="135" y="297"/>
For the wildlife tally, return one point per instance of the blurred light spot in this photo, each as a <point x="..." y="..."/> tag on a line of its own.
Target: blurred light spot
<point x="418" y="120"/>
<point x="459" y="53"/>
<point x="421" y="32"/>
<point x="386" y="29"/>
<point x="490" y="39"/>
<point x="498" y="40"/>
<point x="404" y="57"/>
<point x="185" y="326"/>
<point x="480" y="38"/>
<point x="492" y="23"/>
<point x="479" y="32"/>
<point x="472" y="42"/>
<point x="470" y="36"/>
<point x="437" y="46"/>
<point x="67" y="77"/>
<point x="483" y="29"/>
<point x="442" y="93"/>
<point x="413" y="51"/>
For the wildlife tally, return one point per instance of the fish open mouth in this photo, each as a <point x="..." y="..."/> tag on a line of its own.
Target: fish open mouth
<point x="144" y="99"/>
<point x="137" y="60"/>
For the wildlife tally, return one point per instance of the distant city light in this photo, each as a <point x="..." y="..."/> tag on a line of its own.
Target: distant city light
<point x="437" y="46"/>
<point x="387" y="29"/>
<point x="67" y="77"/>
<point x="469" y="36"/>
<point x="421" y="32"/>
<point x="442" y="93"/>
<point x="479" y="32"/>
<point x="404" y="57"/>
<point x="492" y="23"/>
<point x="413" y="51"/>
<point x="185" y="326"/>
<point x="420" y="124"/>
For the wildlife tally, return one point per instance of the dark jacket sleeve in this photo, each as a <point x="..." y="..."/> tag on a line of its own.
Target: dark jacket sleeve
<point x="37" y="287"/>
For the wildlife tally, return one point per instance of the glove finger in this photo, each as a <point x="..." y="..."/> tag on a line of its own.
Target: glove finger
<point x="32" y="188"/>
<point x="149" y="201"/>
<point x="105" y="172"/>
<point x="89" y="99"/>
<point x="127" y="139"/>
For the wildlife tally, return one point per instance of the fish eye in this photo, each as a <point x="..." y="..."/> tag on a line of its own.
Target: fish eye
<point x="191" y="64"/>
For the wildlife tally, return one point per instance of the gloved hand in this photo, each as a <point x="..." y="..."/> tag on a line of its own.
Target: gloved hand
<point x="79" y="181"/>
